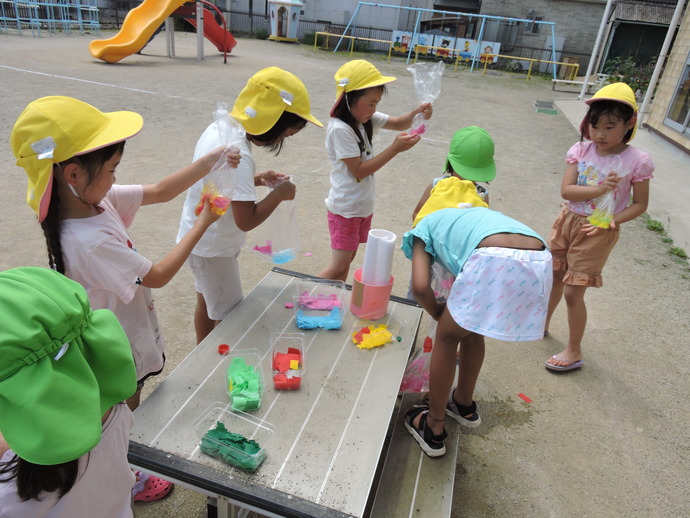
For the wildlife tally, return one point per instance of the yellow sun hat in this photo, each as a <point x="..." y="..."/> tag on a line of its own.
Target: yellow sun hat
<point x="53" y="129"/>
<point x="268" y="94"/>
<point x="619" y="92"/>
<point x="357" y="74"/>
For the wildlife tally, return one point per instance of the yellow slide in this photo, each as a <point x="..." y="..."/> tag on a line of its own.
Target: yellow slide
<point x="139" y="25"/>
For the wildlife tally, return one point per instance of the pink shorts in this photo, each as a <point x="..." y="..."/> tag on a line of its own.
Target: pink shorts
<point x="348" y="233"/>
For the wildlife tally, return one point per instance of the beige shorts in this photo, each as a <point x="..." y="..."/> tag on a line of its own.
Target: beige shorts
<point x="218" y="280"/>
<point x="579" y="256"/>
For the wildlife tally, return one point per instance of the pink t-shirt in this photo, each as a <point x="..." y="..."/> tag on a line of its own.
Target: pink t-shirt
<point x="592" y="169"/>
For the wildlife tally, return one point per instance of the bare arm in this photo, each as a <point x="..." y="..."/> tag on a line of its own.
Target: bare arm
<point x="640" y="199"/>
<point x="172" y="185"/>
<point x="161" y="272"/>
<point x="422" y="200"/>
<point x="572" y="192"/>
<point x="421" y="280"/>
<point x="249" y="215"/>
<point x="403" y="122"/>
<point x="363" y="168"/>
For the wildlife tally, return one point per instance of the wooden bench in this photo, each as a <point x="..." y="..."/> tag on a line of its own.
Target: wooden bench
<point x="412" y="483"/>
<point x="590" y="84"/>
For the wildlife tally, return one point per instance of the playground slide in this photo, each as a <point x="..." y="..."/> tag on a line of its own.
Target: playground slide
<point x="213" y="32"/>
<point x="139" y="25"/>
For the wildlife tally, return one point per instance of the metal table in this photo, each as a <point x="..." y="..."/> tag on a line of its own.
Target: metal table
<point x="329" y="434"/>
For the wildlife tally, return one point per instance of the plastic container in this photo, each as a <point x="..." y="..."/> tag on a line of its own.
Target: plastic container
<point x="245" y="379"/>
<point x="246" y="452"/>
<point x="319" y="303"/>
<point x="287" y="360"/>
<point x="368" y="301"/>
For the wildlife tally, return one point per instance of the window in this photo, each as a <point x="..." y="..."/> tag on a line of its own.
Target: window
<point x="533" y="28"/>
<point x="678" y="115"/>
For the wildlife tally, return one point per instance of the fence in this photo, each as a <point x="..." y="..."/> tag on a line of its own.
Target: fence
<point x="51" y="16"/>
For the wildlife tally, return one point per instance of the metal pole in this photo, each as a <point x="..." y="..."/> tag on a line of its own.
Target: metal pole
<point x="595" y="51"/>
<point x="199" y="31"/>
<point x="660" y="61"/>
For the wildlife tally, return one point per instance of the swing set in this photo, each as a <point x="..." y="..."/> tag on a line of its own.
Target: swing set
<point x="475" y="51"/>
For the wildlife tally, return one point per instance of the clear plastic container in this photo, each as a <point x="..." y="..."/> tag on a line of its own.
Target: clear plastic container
<point x="216" y="429"/>
<point x="245" y="379"/>
<point x="287" y="360"/>
<point x="319" y="303"/>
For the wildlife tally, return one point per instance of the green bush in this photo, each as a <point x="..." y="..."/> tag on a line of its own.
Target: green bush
<point x="261" y="34"/>
<point x="635" y="75"/>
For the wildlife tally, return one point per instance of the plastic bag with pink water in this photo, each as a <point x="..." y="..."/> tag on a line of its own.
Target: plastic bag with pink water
<point x="427" y="85"/>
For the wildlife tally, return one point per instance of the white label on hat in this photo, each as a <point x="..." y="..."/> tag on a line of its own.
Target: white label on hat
<point x="344" y="82"/>
<point x="250" y="112"/>
<point x="287" y="97"/>
<point x="44" y="148"/>
<point x="62" y="351"/>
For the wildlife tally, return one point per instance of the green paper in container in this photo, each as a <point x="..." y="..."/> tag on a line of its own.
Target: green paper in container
<point x="245" y="380"/>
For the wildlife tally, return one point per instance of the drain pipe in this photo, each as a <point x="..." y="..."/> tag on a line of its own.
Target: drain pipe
<point x="644" y="110"/>
<point x="597" y="44"/>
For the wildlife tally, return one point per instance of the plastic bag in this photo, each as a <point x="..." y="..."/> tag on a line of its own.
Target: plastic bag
<point x="277" y="238"/>
<point x="416" y="376"/>
<point x="605" y="205"/>
<point x="427" y="85"/>
<point x="220" y="182"/>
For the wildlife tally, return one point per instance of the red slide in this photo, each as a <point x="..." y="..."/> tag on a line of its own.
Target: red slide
<point x="215" y="33"/>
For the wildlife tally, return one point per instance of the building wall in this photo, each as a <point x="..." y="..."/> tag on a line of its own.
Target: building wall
<point x="576" y="20"/>
<point x="668" y="83"/>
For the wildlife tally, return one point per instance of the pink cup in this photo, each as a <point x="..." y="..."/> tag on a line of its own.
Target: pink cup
<point x="367" y="301"/>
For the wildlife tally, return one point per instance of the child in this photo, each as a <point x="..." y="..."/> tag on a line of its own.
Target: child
<point x="70" y="151"/>
<point x="64" y="370"/>
<point x="501" y="289"/>
<point x="273" y="105"/>
<point x="350" y="202"/>
<point x="470" y="157"/>
<point x="580" y="249"/>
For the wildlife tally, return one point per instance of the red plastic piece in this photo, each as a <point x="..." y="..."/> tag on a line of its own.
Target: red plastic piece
<point x="223" y="349"/>
<point x="524" y="398"/>
<point x="428" y="344"/>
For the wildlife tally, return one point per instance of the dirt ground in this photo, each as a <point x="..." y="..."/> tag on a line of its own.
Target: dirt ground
<point x="609" y="440"/>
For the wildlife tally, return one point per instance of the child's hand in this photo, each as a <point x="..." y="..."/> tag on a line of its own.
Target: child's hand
<point x="270" y="178"/>
<point x="404" y="141"/>
<point x="285" y="190"/>
<point x="609" y="183"/>
<point x="425" y="108"/>
<point x="207" y="216"/>
<point x="223" y="155"/>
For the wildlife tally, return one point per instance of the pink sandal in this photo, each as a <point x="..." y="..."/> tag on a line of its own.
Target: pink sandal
<point x="149" y="488"/>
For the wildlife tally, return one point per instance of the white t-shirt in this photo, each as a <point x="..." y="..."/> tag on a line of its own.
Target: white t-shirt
<point x="349" y="197"/>
<point x="100" y="256"/>
<point x="222" y="238"/>
<point x="103" y="486"/>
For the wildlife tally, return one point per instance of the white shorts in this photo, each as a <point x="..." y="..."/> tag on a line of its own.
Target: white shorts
<point x="218" y="280"/>
<point x="503" y="293"/>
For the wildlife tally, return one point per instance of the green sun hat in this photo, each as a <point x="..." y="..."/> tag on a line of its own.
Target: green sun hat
<point x="62" y="366"/>
<point x="471" y="154"/>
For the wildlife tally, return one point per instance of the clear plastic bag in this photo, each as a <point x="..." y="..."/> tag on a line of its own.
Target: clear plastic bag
<point x="220" y="182"/>
<point x="277" y="238"/>
<point x="427" y="85"/>
<point x="605" y="205"/>
<point x="416" y="376"/>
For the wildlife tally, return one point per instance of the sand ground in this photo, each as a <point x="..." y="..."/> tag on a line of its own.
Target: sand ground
<point x="609" y="440"/>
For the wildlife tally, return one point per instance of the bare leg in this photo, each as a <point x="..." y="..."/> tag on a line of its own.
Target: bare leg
<point x="339" y="267"/>
<point x="448" y="335"/>
<point x="577" y="321"/>
<point x="556" y="294"/>
<point x="202" y="324"/>
<point x="472" y="350"/>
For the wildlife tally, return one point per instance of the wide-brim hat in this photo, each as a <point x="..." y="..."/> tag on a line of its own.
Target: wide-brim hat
<point x="62" y="366"/>
<point x="52" y="129"/>
<point x="357" y="74"/>
<point x="268" y="94"/>
<point x="471" y="154"/>
<point x="619" y="92"/>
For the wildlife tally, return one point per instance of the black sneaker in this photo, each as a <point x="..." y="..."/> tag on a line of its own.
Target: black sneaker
<point x="465" y="415"/>
<point x="431" y="444"/>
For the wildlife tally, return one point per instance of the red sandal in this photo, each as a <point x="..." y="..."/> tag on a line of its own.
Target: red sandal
<point x="149" y="488"/>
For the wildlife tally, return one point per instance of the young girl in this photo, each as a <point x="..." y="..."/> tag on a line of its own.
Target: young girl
<point x="64" y="370"/>
<point x="470" y="157"/>
<point x="350" y="202"/>
<point x="580" y="249"/>
<point x="273" y="105"/>
<point x="70" y="151"/>
<point x="502" y="282"/>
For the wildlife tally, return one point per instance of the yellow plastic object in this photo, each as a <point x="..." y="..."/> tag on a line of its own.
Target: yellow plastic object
<point x="139" y="25"/>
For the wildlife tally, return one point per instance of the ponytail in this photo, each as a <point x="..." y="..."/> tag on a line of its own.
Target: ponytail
<point x="51" y="230"/>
